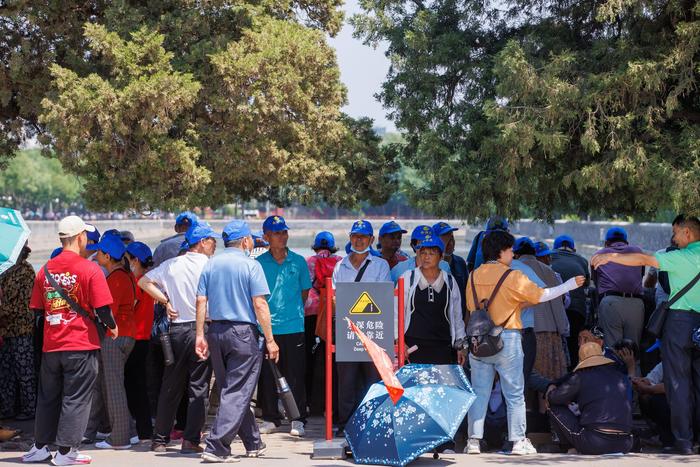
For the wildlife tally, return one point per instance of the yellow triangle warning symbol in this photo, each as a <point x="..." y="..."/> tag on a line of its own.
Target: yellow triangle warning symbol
<point x="365" y="305"/>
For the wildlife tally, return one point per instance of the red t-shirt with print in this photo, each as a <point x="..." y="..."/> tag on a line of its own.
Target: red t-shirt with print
<point x="144" y="313"/>
<point x="85" y="283"/>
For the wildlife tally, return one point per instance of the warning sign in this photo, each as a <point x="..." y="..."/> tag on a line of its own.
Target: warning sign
<point x="365" y="306"/>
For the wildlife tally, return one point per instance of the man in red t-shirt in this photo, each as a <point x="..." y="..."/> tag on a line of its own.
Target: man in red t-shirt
<point x="69" y="360"/>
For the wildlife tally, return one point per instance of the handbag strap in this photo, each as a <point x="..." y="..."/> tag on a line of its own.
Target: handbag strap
<point x="495" y="290"/>
<point x="684" y="290"/>
<point x="362" y="270"/>
<point x="72" y="303"/>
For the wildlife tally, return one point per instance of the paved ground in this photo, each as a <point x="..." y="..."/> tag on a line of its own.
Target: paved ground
<point x="284" y="450"/>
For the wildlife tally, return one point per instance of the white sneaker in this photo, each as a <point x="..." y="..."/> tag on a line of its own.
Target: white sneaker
<point x="267" y="427"/>
<point x="135" y="440"/>
<point x="210" y="457"/>
<point x="473" y="446"/>
<point x="37" y="455"/>
<point x="72" y="458"/>
<point x="106" y="445"/>
<point x="102" y="436"/>
<point x="297" y="429"/>
<point x="448" y="451"/>
<point x="523" y="447"/>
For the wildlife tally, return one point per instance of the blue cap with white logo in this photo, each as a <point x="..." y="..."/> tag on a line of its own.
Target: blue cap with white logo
<point x="420" y="232"/>
<point x="497" y="223"/>
<point x="324" y="240"/>
<point x="391" y="227"/>
<point x="542" y="249"/>
<point x="561" y="239"/>
<point x="274" y="224"/>
<point x="186" y="217"/>
<point x="140" y="251"/>
<point x="198" y="232"/>
<point x="430" y="242"/>
<point x="112" y="245"/>
<point x="616" y="234"/>
<point x="362" y="227"/>
<point x="442" y="228"/>
<point x="523" y="241"/>
<point x="235" y="230"/>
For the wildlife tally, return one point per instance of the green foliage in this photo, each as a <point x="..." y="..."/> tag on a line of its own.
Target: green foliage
<point x="544" y="106"/>
<point x="172" y="103"/>
<point x="33" y="180"/>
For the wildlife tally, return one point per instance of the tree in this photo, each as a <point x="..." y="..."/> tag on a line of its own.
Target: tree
<point x="35" y="181"/>
<point x="550" y="106"/>
<point x="171" y="103"/>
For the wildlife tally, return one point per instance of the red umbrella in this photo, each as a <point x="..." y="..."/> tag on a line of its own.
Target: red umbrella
<point x="381" y="360"/>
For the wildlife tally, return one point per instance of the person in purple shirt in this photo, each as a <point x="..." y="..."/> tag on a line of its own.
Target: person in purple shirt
<point x="621" y="309"/>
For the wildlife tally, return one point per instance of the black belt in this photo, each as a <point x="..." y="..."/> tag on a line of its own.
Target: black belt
<point x="620" y="294"/>
<point x="189" y="324"/>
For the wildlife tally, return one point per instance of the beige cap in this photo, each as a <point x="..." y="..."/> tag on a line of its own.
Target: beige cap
<point x="591" y="354"/>
<point x="71" y="226"/>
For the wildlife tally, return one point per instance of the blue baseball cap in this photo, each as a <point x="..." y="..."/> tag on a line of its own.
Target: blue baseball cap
<point x="362" y="227"/>
<point x="616" y="233"/>
<point x="324" y="239"/>
<point x="259" y="240"/>
<point x="497" y="223"/>
<point x="542" y="249"/>
<point x="420" y="232"/>
<point x="391" y="227"/>
<point x="198" y="232"/>
<point x="236" y="229"/>
<point x="186" y="217"/>
<point x="442" y="228"/>
<point x="56" y="252"/>
<point x="521" y="242"/>
<point x="107" y="233"/>
<point x="112" y="245"/>
<point x="559" y="241"/>
<point x="432" y="241"/>
<point x="139" y="250"/>
<point x="275" y="224"/>
<point x="94" y="235"/>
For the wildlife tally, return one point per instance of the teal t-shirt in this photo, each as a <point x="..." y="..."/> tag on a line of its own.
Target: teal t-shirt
<point x="682" y="266"/>
<point x="286" y="282"/>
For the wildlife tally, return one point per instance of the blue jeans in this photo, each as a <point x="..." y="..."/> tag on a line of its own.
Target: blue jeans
<point x="509" y="365"/>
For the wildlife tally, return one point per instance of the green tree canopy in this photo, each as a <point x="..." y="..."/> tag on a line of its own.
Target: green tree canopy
<point x="169" y="103"/>
<point x="549" y="106"/>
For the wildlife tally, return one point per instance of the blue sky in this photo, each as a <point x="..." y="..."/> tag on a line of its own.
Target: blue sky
<point x="362" y="70"/>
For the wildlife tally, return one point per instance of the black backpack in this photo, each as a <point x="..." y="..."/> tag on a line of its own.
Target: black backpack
<point x="483" y="336"/>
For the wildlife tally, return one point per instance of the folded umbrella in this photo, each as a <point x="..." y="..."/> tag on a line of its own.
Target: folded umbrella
<point x="435" y="400"/>
<point x="14" y="233"/>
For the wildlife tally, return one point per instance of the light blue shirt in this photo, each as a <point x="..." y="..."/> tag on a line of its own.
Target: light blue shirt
<point x="527" y="316"/>
<point x="377" y="270"/>
<point x="230" y="281"/>
<point x="286" y="282"/>
<point x="409" y="264"/>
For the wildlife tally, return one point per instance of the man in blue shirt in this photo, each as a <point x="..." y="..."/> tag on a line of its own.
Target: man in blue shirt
<point x="233" y="287"/>
<point x="289" y="281"/>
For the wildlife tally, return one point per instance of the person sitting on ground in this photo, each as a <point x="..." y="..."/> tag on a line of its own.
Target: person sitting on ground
<point x="590" y="410"/>
<point x="654" y="406"/>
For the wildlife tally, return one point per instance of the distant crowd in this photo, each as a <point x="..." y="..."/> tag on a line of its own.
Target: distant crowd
<point x="112" y="344"/>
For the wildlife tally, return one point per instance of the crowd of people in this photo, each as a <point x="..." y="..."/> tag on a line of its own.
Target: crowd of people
<point x="112" y="344"/>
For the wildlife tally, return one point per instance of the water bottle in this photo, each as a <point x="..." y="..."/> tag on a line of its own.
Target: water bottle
<point x="167" y="346"/>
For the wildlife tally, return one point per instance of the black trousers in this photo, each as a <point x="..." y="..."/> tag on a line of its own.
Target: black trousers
<point x="354" y="379"/>
<point x="681" y="374"/>
<point x="135" y="383"/>
<point x="292" y="363"/>
<point x="66" y="384"/>
<point x="187" y="368"/>
<point x="585" y="440"/>
<point x="529" y="344"/>
<point x="154" y="380"/>
<point x="654" y="407"/>
<point x="311" y="378"/>
<point x="576" y="324"/>
<point x="431" y="352"/>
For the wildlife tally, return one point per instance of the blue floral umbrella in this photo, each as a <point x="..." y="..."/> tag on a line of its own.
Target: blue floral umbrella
<point x="436" y="399"/>
<point x="13" y="235"/>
